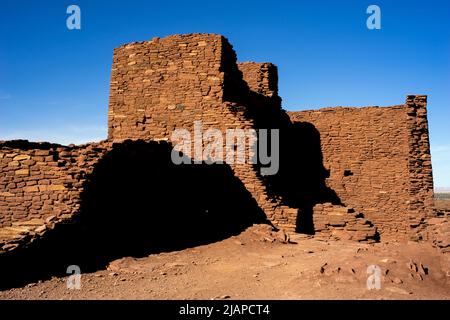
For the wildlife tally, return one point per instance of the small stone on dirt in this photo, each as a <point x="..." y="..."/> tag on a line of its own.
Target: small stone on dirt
<point x="423" y="270"/>
<point x="397" y="280"/>
<point x="322" y="267"/>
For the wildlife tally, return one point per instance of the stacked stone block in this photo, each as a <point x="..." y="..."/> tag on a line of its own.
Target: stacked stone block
<point x="342" y="223"/>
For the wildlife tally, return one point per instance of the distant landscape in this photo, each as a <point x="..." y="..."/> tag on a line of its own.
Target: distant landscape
<point x="442" y="195"/>
<point x="442" y="201"/>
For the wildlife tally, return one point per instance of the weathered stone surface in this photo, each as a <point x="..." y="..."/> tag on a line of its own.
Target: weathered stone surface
<point x="23" y="172"/>
<point x="375" y="158"/>
<point x="21" y="157"/>
<point x="31" y="189"/>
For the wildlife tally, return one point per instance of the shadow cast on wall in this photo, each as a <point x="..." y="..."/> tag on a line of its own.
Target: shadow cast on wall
<point x="137" y="202"/>
<point x="301" y="181"/>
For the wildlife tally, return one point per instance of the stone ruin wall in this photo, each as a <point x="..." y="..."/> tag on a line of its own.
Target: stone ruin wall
<point x="44" y="184"/>
<point x="163" y="84"/>
<point x="160" y="84"/>
<point x="261" y="78"/>
<point x="40" y="185"/>
<point x="379" y="162"/>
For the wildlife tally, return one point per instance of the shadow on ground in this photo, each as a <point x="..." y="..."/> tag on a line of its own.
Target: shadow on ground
<point x="137" y="202"/>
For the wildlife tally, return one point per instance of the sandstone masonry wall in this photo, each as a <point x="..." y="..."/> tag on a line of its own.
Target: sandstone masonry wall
<point x="420" y="189"/>
<point x="41" y="185"/>
<point x="163" y="83"/>
<point x="261" y="78"/>
<point x="169" y="83"/>
<point x="379" y="162"/>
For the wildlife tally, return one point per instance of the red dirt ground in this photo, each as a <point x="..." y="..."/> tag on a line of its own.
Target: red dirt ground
<point x="258" y="265"/>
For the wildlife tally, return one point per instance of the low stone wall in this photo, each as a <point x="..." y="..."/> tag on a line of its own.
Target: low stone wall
<point x="40" y="185"/>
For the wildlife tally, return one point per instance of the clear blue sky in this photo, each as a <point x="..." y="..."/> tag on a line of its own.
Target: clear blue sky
<point x="54" y="82"/>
